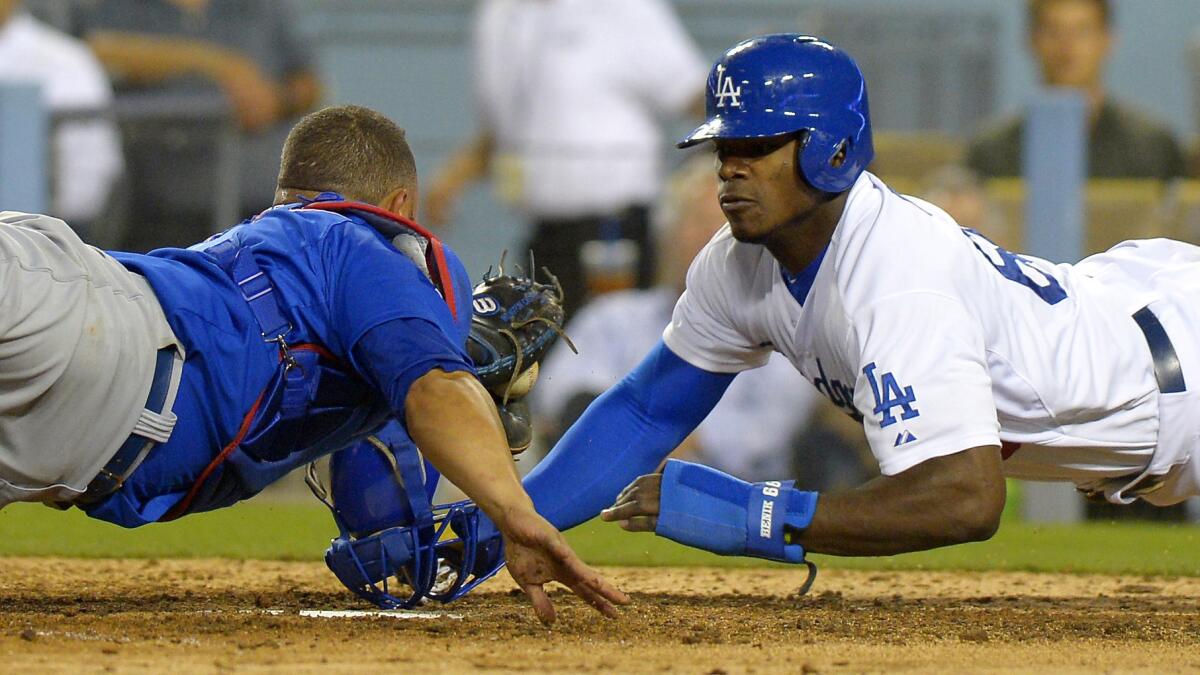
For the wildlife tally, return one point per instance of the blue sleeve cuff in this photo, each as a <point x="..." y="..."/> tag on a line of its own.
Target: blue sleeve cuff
<point x="707" y="509"/>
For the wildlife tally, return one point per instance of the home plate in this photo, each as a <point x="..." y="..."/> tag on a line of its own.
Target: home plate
<point x="364" y="613"/>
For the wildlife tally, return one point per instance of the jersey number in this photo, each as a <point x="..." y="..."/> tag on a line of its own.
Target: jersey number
<point x="1018" y="268"/>
<point x="888" y="394"/>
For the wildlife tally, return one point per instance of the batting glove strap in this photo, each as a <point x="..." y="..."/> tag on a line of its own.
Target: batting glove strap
<point x="704" y="508"/>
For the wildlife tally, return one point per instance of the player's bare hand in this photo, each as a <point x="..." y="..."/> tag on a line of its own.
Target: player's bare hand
<point x="636" y="508"/>
<point x="538" y="554"/>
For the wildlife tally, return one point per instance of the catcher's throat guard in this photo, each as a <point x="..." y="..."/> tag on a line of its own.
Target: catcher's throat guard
<point x="395" y="548"/>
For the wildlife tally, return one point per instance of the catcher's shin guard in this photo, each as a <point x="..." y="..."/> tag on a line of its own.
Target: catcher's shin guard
<point x="707" y="509"/>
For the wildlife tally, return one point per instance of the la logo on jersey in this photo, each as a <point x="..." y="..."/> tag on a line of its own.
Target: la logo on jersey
<point x="889" y="394"/>
<point x="726" y="90"/>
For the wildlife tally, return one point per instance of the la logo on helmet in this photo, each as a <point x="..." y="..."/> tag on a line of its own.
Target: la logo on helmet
<point x="725" y="89"/>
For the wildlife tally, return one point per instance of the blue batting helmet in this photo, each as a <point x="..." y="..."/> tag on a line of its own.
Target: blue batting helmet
<point x="786" y="83"/>
<point x="395" y="547"/>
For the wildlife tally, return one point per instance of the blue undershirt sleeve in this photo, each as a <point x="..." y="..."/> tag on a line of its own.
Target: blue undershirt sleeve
<point x="625" y="433"/>
<point x="396" y="353"/>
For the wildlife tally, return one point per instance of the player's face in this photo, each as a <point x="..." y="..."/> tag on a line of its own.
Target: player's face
<point x="760" y="189"/>
<point x="1071" y="43"/>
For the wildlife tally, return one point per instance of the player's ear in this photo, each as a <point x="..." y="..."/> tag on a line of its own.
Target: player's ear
<point x="401" y="200"/>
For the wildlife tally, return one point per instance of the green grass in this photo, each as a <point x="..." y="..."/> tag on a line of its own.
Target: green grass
<point x="290" y="531"/>
<point x="260" y="529"/>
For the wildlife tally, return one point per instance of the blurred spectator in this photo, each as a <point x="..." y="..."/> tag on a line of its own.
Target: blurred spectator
<point x="570" y="95"/>
<point x="1072" y="40"/>
<point x="86" y="156"/>
<point x="753" y="431"/>
<point x="956" y="190"/>
<point x="165" y="55"/>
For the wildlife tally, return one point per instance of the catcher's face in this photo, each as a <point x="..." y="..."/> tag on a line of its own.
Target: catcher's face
<point x="760" y="188"/>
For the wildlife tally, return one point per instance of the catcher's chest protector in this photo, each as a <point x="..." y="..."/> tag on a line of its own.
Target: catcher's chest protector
<point x="314" y="403"/>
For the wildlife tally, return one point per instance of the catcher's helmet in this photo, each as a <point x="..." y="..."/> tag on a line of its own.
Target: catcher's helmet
<point x="392" y="536"/>
<point x="786" y="83"/>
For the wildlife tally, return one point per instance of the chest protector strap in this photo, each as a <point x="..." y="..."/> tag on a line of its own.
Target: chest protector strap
<point x="276" y="424"/>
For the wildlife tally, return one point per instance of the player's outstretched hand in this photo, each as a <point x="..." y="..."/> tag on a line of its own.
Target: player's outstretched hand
<point x="636" y="508"/>
<point x="537" y="554"/>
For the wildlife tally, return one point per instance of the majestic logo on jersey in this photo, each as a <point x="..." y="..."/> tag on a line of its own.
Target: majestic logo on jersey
<point x="841" y="395"/>
<point x="485" y="305"/>
<point x="903" y="437"/>
<point x="889" y="394"/>
<point x="726" y="90"/>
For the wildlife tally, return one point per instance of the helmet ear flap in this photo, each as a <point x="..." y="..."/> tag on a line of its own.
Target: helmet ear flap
<point x="832" y="163"/>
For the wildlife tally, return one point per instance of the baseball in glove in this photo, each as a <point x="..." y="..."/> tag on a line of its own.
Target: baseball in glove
<point x="515" y="321"/>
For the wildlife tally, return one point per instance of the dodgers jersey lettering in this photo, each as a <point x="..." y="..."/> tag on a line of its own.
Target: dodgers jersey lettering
<point x="940" y="340"/>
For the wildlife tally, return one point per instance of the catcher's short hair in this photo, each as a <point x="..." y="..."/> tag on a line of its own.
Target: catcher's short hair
<point x="354" y="151"/>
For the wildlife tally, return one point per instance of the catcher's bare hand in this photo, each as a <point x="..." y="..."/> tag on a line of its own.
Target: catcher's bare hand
<point x="636" y="508"/>
<point x="537" y="554"/>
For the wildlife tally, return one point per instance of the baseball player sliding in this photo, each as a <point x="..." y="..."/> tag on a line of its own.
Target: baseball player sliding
<point x="141" y="388"/>
<point x="966" y="363"/>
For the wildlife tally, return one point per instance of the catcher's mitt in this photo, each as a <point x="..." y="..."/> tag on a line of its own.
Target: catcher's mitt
<point x="515" y="321"/>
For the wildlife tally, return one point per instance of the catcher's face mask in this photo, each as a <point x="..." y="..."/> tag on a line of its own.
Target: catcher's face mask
<point x="395" y="548"/>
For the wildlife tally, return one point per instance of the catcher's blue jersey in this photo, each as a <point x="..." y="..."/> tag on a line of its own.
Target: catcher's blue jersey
<point x="342" y="285"/>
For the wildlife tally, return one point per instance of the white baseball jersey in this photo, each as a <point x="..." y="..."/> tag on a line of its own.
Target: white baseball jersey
<point x="942" y="341"/>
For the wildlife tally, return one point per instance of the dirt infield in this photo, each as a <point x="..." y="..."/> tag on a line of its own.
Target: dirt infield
<point x="60" y="615"/>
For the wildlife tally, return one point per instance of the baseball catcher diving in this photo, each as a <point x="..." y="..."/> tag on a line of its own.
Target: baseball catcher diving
<point x="142" y="388"/>
<point x="964" y="362"/>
